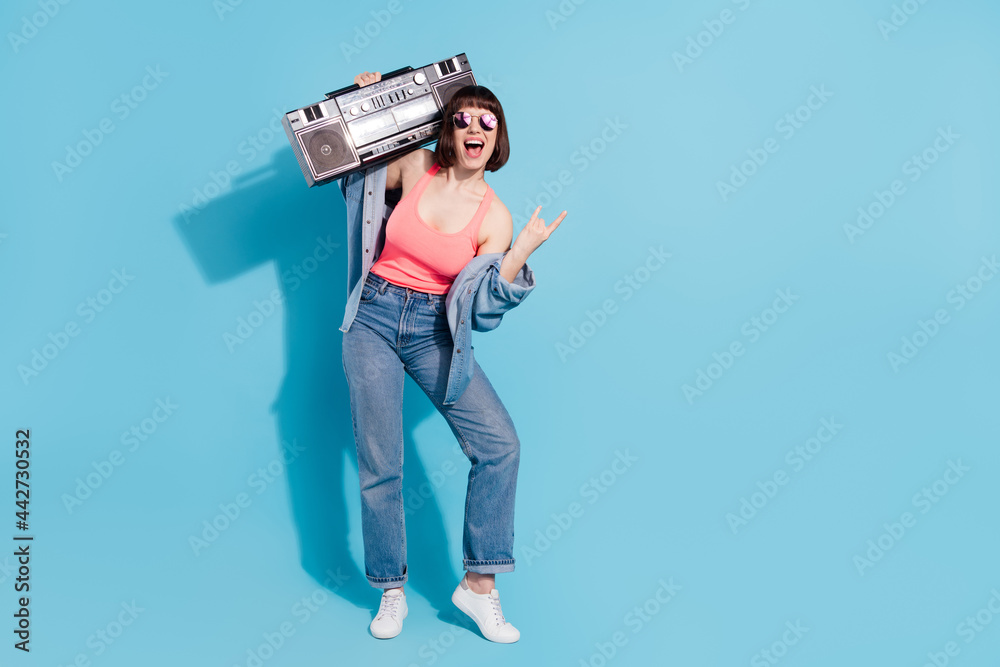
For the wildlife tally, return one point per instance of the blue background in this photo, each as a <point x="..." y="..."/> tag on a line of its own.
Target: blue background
<point x="682" y="127"/>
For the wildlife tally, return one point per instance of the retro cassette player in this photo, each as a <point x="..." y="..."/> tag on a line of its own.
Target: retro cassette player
<point x="357" y="127"/>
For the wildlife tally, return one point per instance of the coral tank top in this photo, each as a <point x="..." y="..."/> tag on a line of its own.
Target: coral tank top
<point x="420" y="257"/>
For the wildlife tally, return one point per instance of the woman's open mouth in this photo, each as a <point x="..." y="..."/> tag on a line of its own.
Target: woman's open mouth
<point x="474" y="147"/>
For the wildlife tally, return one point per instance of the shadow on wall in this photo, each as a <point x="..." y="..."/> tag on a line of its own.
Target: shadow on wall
<point x="270" y="215"/>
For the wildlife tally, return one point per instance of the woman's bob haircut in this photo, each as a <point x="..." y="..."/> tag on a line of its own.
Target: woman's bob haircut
<point x="483" y="98"/>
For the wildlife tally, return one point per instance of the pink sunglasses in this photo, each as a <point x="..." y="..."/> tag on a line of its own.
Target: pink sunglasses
<point x="463" y="119"/>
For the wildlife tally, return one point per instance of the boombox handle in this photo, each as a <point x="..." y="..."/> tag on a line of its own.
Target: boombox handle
<point x="355" y="86"/>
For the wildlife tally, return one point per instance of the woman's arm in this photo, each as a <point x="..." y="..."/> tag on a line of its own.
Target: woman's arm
<point x="394" y="168"/>
<point x="499" y="228"/>
<point x="533" y="235"/>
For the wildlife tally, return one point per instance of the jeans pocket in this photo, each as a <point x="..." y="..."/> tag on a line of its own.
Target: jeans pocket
<point x="438" y="306"/>
<point x="368" y="291"/>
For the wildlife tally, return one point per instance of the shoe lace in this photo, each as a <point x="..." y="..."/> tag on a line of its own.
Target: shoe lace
<point x="388" y="605"/>
<point x="497" y="611"/>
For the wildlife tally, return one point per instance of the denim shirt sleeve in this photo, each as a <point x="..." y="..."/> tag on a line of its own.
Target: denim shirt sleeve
<point x="496" y="295"/>
<point x="352" y="187"/>
<point x="367" y="213"/>
<point x="478" y="299"/>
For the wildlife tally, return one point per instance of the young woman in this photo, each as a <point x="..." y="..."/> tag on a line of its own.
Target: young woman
<point x="447" y="215"/>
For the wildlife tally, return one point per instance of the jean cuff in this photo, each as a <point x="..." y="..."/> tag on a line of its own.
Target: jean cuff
<point x="488" y="566"/>
<point x="387" y="582"/>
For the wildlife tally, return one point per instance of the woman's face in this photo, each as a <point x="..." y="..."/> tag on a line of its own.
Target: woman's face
<point x="473" y="144"/>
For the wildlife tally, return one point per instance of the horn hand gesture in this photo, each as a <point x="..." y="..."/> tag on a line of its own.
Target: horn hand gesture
<point x="535" y="233"/>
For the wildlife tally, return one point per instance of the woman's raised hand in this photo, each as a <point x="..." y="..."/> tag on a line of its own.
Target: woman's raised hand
<point x="366" y="78"/>
<point x="535" y="233"/>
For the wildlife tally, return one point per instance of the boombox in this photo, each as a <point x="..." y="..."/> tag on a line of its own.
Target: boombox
<point x="357" y="127"/>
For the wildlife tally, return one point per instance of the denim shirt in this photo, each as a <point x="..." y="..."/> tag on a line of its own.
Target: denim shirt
<point x="477" y="299"/>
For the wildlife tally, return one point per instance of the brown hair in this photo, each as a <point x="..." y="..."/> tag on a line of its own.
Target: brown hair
<point x="483" y="98"/>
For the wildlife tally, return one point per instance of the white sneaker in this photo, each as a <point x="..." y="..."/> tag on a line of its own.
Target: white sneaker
<point x="485" y="610"/>
<point x="391" y="612"/>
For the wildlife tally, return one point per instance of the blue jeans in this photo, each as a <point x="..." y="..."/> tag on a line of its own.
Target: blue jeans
<point x="397" y="329"/>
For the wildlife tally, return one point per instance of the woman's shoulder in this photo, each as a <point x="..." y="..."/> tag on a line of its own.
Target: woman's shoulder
<point x="498" y="210"/>
<point x="420" y="160"/>
<point x="409" y="167"/>
<point x="497" y="223"/>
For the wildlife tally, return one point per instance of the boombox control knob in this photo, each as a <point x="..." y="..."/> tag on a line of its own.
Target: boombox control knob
<point x="354" y="111"/>
<point x="366" y="106"/>
<point x="410" y="92"/>
<point x="419" y="78"/>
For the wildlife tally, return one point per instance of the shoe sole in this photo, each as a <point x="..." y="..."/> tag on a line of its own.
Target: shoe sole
<point x="456" y="599"/>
